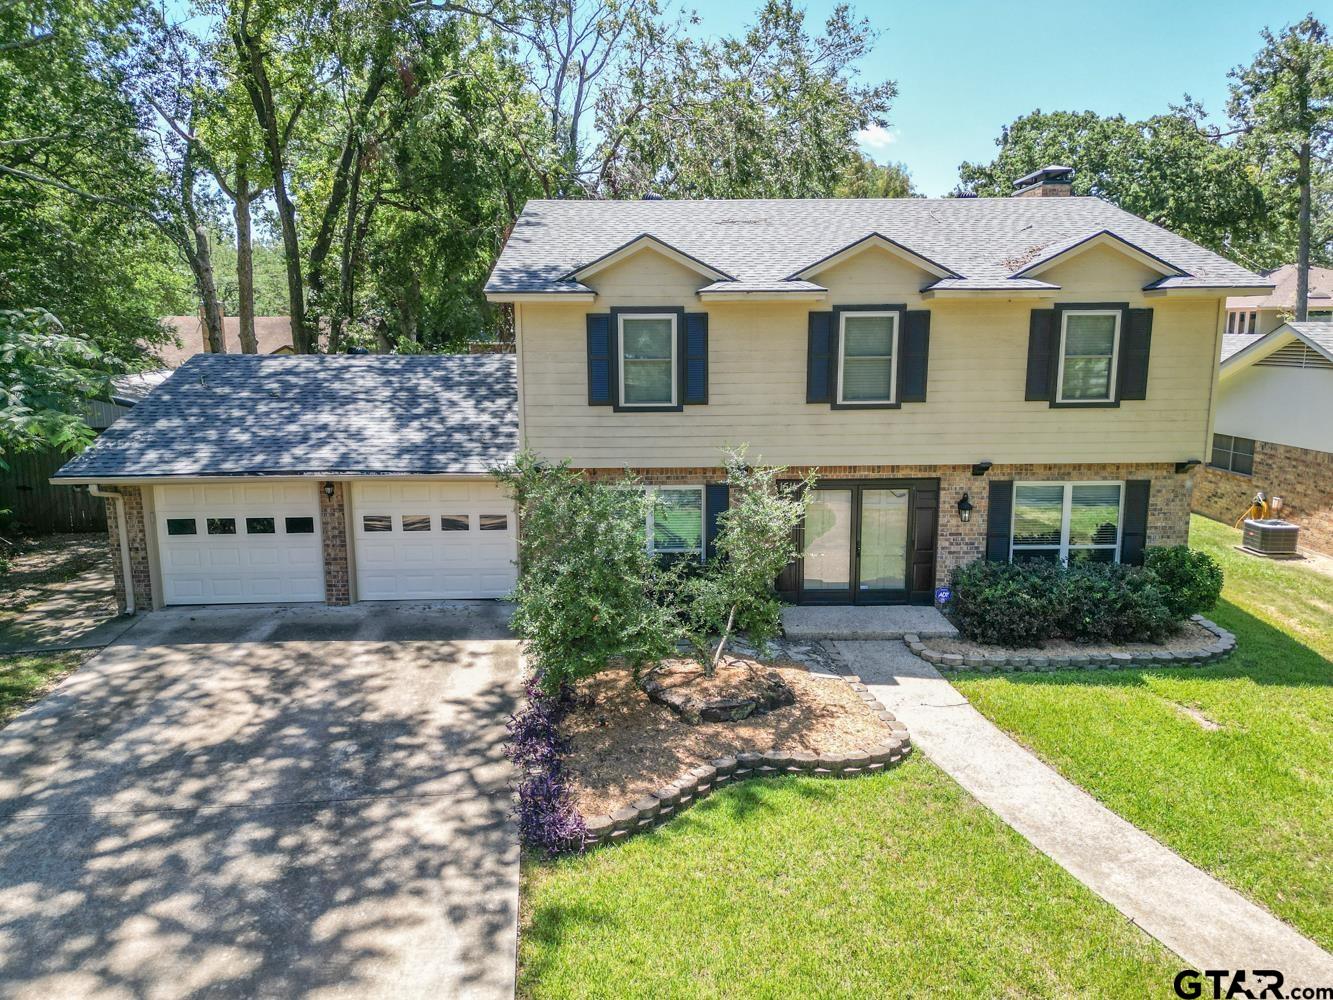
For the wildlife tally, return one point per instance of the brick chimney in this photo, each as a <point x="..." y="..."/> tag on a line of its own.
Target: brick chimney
<point x="1054" y="181"/>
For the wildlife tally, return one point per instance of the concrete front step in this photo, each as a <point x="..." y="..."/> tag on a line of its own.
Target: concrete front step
<point x="865" y="623"/>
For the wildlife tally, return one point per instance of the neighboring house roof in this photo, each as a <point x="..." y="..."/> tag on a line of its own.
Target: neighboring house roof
<point x="1283" y="295"/>
<point x="368" y="415"/>
<point x="128" y="390"/>
<point x="1241" y="350"/>
<point x="987" y="243"/>
<point x="273" y="334"/>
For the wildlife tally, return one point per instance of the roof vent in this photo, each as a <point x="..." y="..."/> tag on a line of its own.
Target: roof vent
<point x="651" y="196"/>
<point x="1050" y="181"/>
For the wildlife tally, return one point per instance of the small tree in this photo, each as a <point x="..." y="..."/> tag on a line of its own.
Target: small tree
<point x="754" y="543"/>
<point x="588" y="588"/>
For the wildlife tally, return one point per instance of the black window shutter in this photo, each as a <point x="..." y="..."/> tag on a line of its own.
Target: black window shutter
<point x="694" y="351"/>
<point x="717" y="497"/>
<point x="1043" y="340"/>
<point x="999" y="517"/>
<point x="915" y="356"/>
<point x="1135" y="341"/>
<point x="599" y="359"/>
<point x="1134" y="532"/>
<point x="819" y="363"/>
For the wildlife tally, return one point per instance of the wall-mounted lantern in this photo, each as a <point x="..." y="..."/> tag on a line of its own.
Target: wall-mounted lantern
<point x="328" y="490"/>
<point x="965" y="509"/>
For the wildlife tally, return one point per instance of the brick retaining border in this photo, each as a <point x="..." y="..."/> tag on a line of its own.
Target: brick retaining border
<point x="698" y="782"/>
<point x="1009" y="662"/>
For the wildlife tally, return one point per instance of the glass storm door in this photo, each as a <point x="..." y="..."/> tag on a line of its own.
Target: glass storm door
<point x="882" y="546"/>
<point x="856" y="545"/>
<point x="828" y="546"/>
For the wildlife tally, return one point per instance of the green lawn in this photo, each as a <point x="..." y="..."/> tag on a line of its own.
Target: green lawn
<point x="893" y="885"/>
<point x="1251" y="801"/>
<point x="24" y="679"/>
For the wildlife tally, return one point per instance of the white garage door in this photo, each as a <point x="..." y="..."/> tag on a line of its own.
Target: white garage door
<point x="239" y="544"/>
<point x="433" y="540"/>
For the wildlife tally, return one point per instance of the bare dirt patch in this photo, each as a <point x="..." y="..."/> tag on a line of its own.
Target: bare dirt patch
<point x="37" y="563"/>
<point x="625" y="746"/>
<point x="1191" y="637"/>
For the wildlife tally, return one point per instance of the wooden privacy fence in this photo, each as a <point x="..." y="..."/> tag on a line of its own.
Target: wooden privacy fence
<point x="36" y="506"/>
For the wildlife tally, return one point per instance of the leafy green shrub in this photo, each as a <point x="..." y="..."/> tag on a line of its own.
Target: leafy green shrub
<point x="1108" y="602"/>
<point x="588" y="588"/>
<point x="1191" y="580"/>
<point x="734" y="589"/>
<point x="1025" y="604"/>
<point x="1008" y="604"/>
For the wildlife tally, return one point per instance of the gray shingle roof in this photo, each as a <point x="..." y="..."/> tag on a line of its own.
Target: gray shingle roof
<point x="257" y="415"/>
<point x="759" y="242"/>
<point x="1317" y="333"/>
<point x="1234" y="343"/>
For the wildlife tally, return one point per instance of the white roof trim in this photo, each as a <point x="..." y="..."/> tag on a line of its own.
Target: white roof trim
<point x="764" y="295"/>
<point x="576" y="296"/>
<point x="1105" y="238"/>
<point x="1266" y="345"/>
<point x="874" y="240"/>
<point x="1198" y="291"/>
<point x="990" y="293"/>
<point x="646" y="241"/>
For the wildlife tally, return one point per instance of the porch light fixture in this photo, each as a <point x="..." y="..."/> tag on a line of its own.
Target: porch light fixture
<point x="981" y="468"/>
<point x="965" y="509"/>
<point x="328" y="490"/>
<point x="1186" y="465"/>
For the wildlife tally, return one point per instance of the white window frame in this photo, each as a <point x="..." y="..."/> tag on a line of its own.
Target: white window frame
<point x="1115" y="357"/>
<point x="620" y="356"/>
<point x="893" y="358"/>
<point x="1066" y="509"/>
<point x="703" y="521"/>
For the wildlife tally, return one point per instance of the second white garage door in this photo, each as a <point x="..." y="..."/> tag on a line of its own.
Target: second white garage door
<point x="433" y="540"/>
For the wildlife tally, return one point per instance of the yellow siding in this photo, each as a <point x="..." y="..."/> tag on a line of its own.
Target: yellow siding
<point x="975" y="408"/>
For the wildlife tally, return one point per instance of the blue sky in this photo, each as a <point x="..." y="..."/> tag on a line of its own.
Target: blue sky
<point x="965" y="68"/>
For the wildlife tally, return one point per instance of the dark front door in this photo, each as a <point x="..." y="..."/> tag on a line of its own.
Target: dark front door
<point x="866" y="542"/>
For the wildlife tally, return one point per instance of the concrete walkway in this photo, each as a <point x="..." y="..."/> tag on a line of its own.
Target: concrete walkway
<point x="1207" y="924"/>
<point x="808" y="622"/>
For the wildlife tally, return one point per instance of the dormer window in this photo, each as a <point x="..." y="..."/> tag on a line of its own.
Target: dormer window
<point x="1089" y="344"/>
<point x="647" y="345"/>
<point x="868" y="357"/>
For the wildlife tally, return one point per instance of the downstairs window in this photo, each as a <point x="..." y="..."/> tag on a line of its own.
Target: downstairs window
<point x="1060" y="522"/>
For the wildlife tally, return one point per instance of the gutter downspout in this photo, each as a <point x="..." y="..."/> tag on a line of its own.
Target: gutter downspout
<point x="126" y="575"/>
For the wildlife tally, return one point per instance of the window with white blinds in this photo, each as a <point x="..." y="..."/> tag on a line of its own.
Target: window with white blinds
<point x="648" y="360"/>
<point x="1057" y="522"/>
<point x="867" y="362"/>
<point x="1089" y="342"/>
<point x="677" y="523"/>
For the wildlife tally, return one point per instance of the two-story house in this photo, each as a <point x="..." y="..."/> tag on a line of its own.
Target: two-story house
<point x="1020" y="378"/>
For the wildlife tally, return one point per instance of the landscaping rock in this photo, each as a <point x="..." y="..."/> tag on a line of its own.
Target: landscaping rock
<point x="771" y="692"/>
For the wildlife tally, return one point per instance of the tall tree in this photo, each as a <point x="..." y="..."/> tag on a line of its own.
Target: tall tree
<point x="1283" y="103"/>
<point x="1166" y="168"/>
<point x="773" y="112"/>
<point x="864" y="178"/>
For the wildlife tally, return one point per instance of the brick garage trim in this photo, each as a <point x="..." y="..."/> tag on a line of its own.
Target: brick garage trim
<point x="1302" y="477"/>
<point x="333" y="534"/>
<point x="136" y="533"/>
<point x="957" y="543"/>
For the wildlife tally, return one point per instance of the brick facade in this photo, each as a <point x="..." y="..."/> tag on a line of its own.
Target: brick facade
<point x="333" y="532"/>
<point x="137" y="533"/>
<point x="1303" y="478"/>
<point x="958" y="543"/>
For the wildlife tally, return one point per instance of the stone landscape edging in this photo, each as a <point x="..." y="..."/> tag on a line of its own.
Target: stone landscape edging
<point x="1011" y="661"/>
<point x="699" y="782"/>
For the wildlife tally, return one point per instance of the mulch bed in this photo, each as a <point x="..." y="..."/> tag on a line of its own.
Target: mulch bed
<point x="625" y="746"/>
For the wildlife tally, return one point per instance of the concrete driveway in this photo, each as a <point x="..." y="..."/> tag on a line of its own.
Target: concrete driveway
<point x="292" y="801"/>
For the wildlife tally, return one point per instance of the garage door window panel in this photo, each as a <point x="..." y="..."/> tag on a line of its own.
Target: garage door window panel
<point x="454" y="522"/>
<point x="377" y="522"/>
<point x="416" y="522"/>
<point x="182" y="526"/>
<point x="300" y="525"/>
<point x="260" y="526"/>
<point x="494" y="522"/>
<point x="222" y="525"/>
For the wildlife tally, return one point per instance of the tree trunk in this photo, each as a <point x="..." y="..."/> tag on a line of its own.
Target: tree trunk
<point x="1303" y="235"/>
<point x="260" y="91"/>
<point x="200" y="257"/>
<point x="245" y="264"/>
